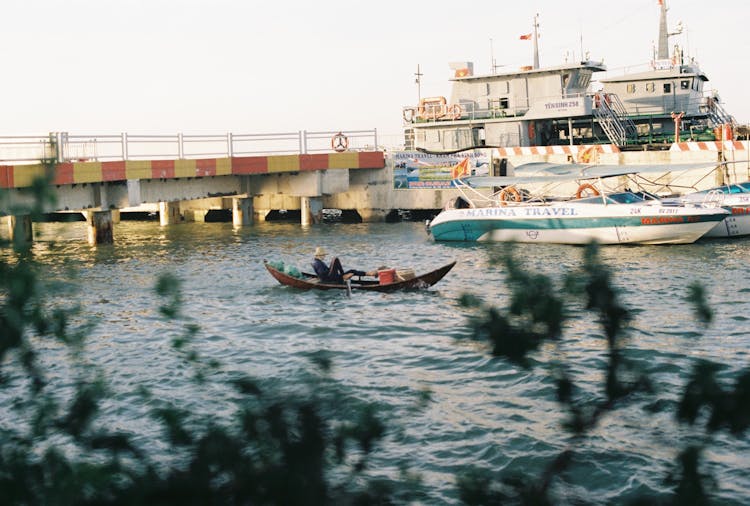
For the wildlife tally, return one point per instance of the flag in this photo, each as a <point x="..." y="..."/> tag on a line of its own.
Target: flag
<point x="460" y="169"/>
<point x="526" y="36"/>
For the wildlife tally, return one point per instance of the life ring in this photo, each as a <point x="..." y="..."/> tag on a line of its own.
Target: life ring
<point x="509" y="191"/>
<point x="408" y="114"/>
<point x="432" y="108"/>
<point x="584" y="187"/>
<point x="339" y="142"/>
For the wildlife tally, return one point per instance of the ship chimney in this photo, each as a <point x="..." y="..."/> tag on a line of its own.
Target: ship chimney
<point x="663" y="51"/>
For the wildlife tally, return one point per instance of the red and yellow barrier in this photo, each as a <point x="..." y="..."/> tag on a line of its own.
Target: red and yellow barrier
<point x="19" y="176"/>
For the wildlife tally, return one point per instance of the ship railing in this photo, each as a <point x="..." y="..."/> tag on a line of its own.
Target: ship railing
<point x="65" y="147"/>
<point x="716" y="112"/>
<point x="668" y="104"/>
<point x="626" y="70"/>
<point x="459" y="138"/>
<point x="463" y="110"/>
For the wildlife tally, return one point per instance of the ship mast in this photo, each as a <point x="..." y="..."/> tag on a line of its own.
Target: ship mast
<point x="663" y="51"/>
<point x="536" y="44"/>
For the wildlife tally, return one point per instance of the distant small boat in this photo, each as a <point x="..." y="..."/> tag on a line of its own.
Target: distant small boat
<point x="308" y="281"/>
<point x="735" y="198"/>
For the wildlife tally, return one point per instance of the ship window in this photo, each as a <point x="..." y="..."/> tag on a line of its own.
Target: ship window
<point x="685" y="84"/>
<point x="631" y="88"/>
<point x="583" y="80"/>
<point x="504" y="103"/>
<point x="667" y="87"/>
<point x="650" y="87"/>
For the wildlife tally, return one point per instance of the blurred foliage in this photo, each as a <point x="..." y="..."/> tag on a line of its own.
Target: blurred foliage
<point x="536" y="315"/>
<point x="280" y="448"/>
<point x="313" y="444"/>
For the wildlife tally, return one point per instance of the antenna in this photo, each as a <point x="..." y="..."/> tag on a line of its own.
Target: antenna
<point x="581" y="35"/>
<point x="418" y="81"/>
<point x="536" y="43"/>
<point x="492" y="57"/>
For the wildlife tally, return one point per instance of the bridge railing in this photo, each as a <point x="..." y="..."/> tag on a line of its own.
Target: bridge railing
<point x="66" y="147"/>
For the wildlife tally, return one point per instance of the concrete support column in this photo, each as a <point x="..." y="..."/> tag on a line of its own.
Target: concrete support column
<point x="311" y="209"/>
<point x="169" y="213"/>
<point x="100" y="227"/>
<point x="373" y="215"/>
<point x="115" y="216"/>
<point x="242" y="212"/>
<point x="195" y="215"/>
<point x="20" y="230"/>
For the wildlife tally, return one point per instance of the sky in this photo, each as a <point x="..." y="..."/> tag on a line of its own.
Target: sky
<point x="215" y="66"/>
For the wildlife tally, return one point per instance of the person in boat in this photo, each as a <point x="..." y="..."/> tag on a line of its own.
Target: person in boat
<point x="333" y="273"/>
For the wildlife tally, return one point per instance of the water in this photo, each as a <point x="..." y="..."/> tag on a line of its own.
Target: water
<point x="389" y="348"/>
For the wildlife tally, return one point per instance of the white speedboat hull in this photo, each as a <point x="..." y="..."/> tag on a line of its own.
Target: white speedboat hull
<point x="735" y="225"/>
<point x="572" y="223"/>
<point x="735" y="198"/>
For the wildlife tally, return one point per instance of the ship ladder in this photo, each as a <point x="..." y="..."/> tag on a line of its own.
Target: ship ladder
<point x="613" y="119"/>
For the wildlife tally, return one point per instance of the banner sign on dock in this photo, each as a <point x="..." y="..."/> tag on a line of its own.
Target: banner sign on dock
<point x="417" y="170"/>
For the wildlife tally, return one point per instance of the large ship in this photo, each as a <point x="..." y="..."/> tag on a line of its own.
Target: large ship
<point x="557" y="105"/>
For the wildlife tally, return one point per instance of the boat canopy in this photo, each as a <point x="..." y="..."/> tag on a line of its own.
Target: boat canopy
<point x="543" y="172"/>
<point x="586" y="171"/>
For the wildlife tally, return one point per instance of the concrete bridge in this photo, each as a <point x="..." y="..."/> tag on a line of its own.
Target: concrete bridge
<point x="182" y="178"/>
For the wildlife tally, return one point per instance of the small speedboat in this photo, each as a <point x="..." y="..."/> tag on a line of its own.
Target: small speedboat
<point x="595" y="214"/>
<point x="735" y="198"/>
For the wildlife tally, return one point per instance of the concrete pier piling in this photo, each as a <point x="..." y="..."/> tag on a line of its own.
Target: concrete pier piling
<point x="169" y="213"/>
<point x="311" y="210"/>
<point x="100" y="227"/>
<point x="20" y="230"/>
<point x="242" y="212"/>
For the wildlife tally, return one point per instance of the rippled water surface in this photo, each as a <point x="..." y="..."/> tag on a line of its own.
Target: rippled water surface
<point x="389" y="348"/>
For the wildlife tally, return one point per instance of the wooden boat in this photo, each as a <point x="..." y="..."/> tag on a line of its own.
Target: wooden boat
<point x="311" y="282"/>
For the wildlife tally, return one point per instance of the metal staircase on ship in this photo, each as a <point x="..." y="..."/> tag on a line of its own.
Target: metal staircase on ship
<point x="719" y="116"/>
<point x="614" y="121"/>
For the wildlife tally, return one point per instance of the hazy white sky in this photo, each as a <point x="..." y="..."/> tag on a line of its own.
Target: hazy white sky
<point x="216" y="66"/>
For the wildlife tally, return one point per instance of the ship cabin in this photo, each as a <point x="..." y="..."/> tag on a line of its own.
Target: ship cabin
<point x="666" y="96"/>
<point x="549" y="106"/>
<point x="520" y="108"/>
<point x="672" y="88"/>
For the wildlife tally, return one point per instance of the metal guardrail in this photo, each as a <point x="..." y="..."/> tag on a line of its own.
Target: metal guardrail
<point x="65" y="147"/>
